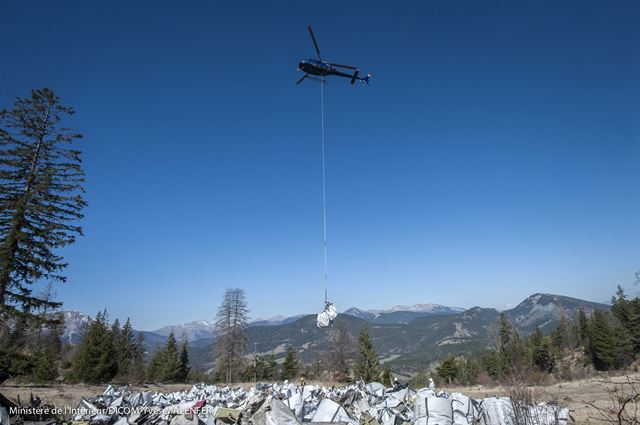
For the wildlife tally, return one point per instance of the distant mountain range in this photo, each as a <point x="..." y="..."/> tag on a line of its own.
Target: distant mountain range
<point x="401" y="313"/>
<point x="277" y="320"/>
<point x="405" y="336"/>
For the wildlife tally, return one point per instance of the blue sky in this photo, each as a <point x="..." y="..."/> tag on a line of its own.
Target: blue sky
<point x="495" y="154"/>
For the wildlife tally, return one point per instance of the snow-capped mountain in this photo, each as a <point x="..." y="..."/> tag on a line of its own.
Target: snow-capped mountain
<point x="416" y="308"/>
<point x="193" y="331"/>
<point x="74" y="325"/>
<point x="401" y="313"/>
<point x="275" y="320"/>
<point x="420" y="308"/>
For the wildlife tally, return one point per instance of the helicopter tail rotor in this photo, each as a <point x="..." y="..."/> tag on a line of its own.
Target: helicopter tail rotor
<point x="355" y="76"/>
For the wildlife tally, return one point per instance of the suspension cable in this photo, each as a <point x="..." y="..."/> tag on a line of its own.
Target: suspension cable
<point x="324" y="193"/>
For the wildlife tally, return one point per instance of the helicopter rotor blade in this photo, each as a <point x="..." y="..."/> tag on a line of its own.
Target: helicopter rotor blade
<point x="315" y="43"/>
<point x="343" y="66"/>
<point x="303" y="77"/>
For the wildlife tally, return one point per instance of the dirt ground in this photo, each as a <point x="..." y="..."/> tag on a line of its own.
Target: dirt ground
<point x="572" y="394"/>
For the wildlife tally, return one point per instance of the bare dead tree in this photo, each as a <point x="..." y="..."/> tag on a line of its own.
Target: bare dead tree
<point x="45" y="318"/>
<point x="231" y="341"/>
<point x="341" y="349"/>
<point x="526" y="399"/>
<point x="623" y="407"/>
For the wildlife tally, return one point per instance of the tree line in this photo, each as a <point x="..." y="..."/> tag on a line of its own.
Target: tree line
<point x="233" y="364"/>
<point x="337" y="365"/>
<point x="602" y="340"/>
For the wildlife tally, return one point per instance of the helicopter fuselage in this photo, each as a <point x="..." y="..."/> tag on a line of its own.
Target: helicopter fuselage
<point x="319" y="68"/>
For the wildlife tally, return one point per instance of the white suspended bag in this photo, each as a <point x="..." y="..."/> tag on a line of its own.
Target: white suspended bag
<point x="329" y="313"/>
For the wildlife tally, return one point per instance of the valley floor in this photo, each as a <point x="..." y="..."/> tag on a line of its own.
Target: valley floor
<point x="574" y="394"/>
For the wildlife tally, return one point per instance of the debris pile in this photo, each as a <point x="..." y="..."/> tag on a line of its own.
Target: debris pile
<point x="289" y="404"/>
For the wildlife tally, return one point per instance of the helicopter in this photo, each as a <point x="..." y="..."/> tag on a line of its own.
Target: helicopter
<point x="317" y="69"/>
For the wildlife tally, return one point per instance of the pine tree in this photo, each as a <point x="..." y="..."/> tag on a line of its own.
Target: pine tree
<point x="602" y="343"/>
<point x="116" y="338"/>
<point x="540" y="351"/>
<point x="171" y="367"/>
<point x="495" y="364"/>
<point x="125" y="348"/>
<point x="45" y="367"/>
<point x="184" y="361"/>
<point x="96" y="361"/>
<point x="468" y="370"/>
<point x="231" y="340"/>
<point x="583" y="329"/>
<point x="255" y="370"/>
<point x="270" y="369"/>
<point x="137" y="371"/>
<point x="624" y="354"/>
<point x="40" y="198"/>
<point x="560" y="338"/>
<point x="290" y="366"/>
<point x="367" y="367"/>
<point x="448" y="369"/>
<point x="505" y="330"/>
<point x="628" y="313"/>
<point x="512" y="349"/>
<point x="154" y="368"/>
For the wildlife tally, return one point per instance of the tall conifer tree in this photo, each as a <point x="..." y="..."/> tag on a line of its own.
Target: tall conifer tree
<point x="171" y="370"/>
<point x="184" y="360"/>
<point x="40" y="198"/>
<point x="290" y="366"/>
<point x="367" y="364"/>
<point x="96" y="360"/>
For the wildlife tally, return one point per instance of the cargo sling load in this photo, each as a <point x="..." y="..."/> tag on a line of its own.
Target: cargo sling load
<point x="329" y="313"/>
<point x="318" y="70"/>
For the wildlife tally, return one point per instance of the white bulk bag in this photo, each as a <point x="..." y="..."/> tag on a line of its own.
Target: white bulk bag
<point x="465" y="410"/>
<point x="497" y="411"/>
<point x="325" y="318"/>
<point x="330" y="411"/>
<point x="420" y="409"/>
<point x="439" y="411"/>
<point x="279" y="414"/>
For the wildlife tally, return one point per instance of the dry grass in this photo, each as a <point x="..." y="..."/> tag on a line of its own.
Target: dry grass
<point x="574" y="394"/>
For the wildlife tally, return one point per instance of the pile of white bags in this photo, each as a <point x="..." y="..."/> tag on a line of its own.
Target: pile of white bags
<point x="290" y="404"/>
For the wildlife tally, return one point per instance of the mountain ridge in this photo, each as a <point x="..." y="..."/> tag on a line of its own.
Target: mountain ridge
<point x="404" y="339"/>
